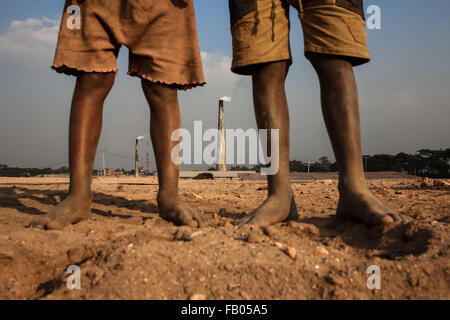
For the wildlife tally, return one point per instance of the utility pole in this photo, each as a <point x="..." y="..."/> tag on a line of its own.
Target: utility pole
<point x="148" y="156"/>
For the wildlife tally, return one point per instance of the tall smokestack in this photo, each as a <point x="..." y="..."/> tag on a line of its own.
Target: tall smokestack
<point x="136" y="157"/>
<point x="136" y="160"/>
<point x="221" y="153"/>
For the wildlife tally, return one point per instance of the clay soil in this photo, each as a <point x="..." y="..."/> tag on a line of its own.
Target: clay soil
<point x="125" y="251"/>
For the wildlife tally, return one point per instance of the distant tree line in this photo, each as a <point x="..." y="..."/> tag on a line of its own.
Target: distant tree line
<point x="6" y="171"/>
<point x="425" y="163"/>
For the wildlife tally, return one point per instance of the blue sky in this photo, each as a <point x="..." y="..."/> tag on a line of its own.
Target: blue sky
<point x="404" y="91"/>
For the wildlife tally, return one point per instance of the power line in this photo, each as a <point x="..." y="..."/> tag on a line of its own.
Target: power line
<point x="121" y="155"/>
<point x="144" y="161"/>
<point x="117" y="155"/>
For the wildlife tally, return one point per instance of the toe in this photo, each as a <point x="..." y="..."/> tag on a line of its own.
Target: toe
<point x="385" y="219"/>
<point x="54" y="225"/>
<point x="404" y="218"/>
<point x="33" y="224"/>
<point x="192" y="224"/>
<point x="395" y="216"/>
<point x="186" y="220"/>
<point x="198" y="217"/>
<point x="247" y="228"/>
<point x="39" y="222"/>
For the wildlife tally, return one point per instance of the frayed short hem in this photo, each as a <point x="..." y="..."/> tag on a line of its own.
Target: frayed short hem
<point x="76" y="71"/>
<point x="173" y="85"/>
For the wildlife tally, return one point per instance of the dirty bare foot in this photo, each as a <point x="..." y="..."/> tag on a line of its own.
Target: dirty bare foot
<point x="364" y="207"/>
<point x="72" y="210"/>
<point x="172" y="208"/>
<point x="277" y="208"/>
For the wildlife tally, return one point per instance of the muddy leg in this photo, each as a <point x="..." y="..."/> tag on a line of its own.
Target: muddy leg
<point x="165" y="118"/>
<point x="272" y="112"/>
<point x="85" y="126"/>
<point x="340" y="109"/>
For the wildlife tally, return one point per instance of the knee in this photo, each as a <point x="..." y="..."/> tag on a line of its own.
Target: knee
<point x="158" y="94"/>
<point x="158" y="91"/>
<point x="270" y="75"/>
<point x="96" y="80"/>
<point x="330" y="65"/>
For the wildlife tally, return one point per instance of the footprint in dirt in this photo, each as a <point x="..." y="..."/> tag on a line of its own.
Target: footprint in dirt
<point x="393" y="241"/>
<point x="404" y="240"/>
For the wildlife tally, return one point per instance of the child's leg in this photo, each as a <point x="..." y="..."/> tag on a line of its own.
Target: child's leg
<point x="340" y="109"/>
<point x="85" y="126"/>
<point x="165" y="118"/>
<point x="272" y="112"/>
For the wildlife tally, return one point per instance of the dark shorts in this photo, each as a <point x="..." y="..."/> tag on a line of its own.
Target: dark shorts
<point x="260" y="30"/>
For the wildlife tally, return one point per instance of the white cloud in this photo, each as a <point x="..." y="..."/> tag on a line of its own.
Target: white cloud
<point x="217" y="69"/>
<point x="29" y="23"/>
<point x="29" y="42"/>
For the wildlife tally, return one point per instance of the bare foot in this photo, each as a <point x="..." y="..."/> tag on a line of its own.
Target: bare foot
<point x="364" y="207"/>
<point x="72" y="210"/>
<point x="277" y="208"/>
<point x="172" y="208"/>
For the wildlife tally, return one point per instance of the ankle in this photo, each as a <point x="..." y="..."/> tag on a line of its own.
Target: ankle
<point x="352" y="186"/>
<point x="164" y="195"/>
<point x="85" y="195"/>
<point x="285" y="192"/>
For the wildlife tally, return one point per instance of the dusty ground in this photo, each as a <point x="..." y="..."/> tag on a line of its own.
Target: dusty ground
<point x="126" y="251"/>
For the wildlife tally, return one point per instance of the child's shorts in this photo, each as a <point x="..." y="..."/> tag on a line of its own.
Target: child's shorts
<point x="160" y="34"/>
<point x="260" y="30"/>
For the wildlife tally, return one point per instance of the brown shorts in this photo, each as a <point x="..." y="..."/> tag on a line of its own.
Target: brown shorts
<point x="260" y="30"/>
<point x="160" y="34"/>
